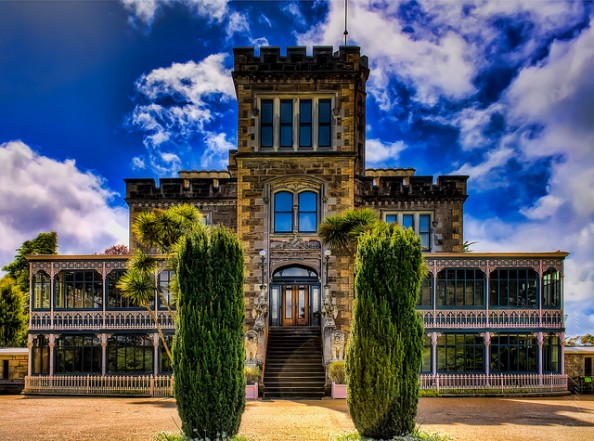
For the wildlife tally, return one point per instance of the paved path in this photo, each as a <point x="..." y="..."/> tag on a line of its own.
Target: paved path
<point x="135" y="419"/>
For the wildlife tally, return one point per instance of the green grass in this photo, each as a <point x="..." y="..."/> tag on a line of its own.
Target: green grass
<point x="417" y="435"/>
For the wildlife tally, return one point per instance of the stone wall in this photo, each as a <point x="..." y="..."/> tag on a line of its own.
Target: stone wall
<point x="17" y="366"/>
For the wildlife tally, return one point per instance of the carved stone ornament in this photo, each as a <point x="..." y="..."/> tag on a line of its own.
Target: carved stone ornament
<point x="296" y="243"/>
<point x="338" y="341"/>
<point x="250" y="340"/>
<point x="329" y="309"/>
<point x="260" y="310"/>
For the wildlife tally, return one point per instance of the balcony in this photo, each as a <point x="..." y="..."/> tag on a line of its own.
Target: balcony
<point x="494" y="319"/>
<point x="98" y="320"/>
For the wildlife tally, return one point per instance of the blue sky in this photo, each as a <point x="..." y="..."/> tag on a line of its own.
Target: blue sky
<point x="503" y="91"/>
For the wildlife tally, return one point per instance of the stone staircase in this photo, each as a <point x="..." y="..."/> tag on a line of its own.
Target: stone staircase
<point x="294" y="367"/>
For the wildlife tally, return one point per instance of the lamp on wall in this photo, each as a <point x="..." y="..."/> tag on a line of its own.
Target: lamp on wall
<point x="262" y="266"/>
<point x="327" y="254"/>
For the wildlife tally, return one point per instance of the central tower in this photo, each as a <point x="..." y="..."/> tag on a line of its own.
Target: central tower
<point x="301" y="145"/>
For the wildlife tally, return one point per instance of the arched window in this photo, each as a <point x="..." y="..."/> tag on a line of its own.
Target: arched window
<point x="305" y="220"/>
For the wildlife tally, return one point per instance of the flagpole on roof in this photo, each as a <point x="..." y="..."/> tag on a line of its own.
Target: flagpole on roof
<point x="346" y="32"/>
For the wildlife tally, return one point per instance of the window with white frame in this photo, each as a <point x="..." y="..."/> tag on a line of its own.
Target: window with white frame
<point x="420" y="223"/>
<point x="302" y="122"/>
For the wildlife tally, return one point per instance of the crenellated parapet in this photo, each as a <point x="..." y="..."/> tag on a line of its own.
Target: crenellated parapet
<point x="190" y="188"/>
<point x="323" y="58"/>
<point x="381" y="186"/>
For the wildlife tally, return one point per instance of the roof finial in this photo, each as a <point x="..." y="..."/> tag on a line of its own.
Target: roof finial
<point x="345" y="33"/>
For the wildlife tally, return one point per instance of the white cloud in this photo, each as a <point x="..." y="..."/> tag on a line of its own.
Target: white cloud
<point x="556" y="95"/>
<point x="178" y="108"/>
<point x="237" y="23"/>
<point x="216" y="154"/>
<point x="294" y="11"/>
<point x="40" y="194"/>
<point x="482" y="173"/>
<point x="138" y="163"/>
<point x="378" y="152"/>
<point x="144" y="12"/>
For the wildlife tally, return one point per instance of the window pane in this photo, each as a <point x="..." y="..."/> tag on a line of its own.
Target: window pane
<point x="283" y="201"/>
<point x="307" y="222"/>
<point x="266" y="111"/>
<point x="283" y="222"/>
<point x="324" y="123"/>
<point x="286" y="136"/>
<point x="305" y="111"/>
<point x="308" y="201"/>
<point x="392" y="218"/>
<point x="286" y="112"/>
<point x="424" y="222"/>
<point x="408" y="221"/>
<point x="324" y="112"/>
<point x="266" y="136"/>
<point x="305" y="136"/>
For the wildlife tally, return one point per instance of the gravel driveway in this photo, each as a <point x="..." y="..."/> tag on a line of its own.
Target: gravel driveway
<point x="138" y="419"/>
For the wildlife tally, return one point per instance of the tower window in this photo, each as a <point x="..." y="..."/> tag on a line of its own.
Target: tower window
<point x="267" y="126"/>
<point x="295" y="122"/>
<point x="324" y="123"/>
<point x="420" y="223"/>
<point x="286" y="123"/>
<point x="305" y="127"/>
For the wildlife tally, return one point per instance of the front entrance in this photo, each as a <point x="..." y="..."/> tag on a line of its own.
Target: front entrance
<point x="295" y="297"/>
<point x="295" y="305"/>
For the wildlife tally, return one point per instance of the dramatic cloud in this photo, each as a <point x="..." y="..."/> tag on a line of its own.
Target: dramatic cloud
<point x="217" y="151"/>
<point x="144" y="12"/>
<point x="175" y="105"/>
<point x="380" y="154"/>
<point x="41" y="194"/>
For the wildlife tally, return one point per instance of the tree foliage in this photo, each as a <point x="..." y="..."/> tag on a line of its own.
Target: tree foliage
<point x="342" y="231"/>
<point x="161" y="231"/>
<point x="116" y="250"/>
<point x="18" y="269"/>
<point x="13" y="320"/>
<point x="385" y="345"/>
<point x="209" y="354"/>
<point x="580" y="340"/>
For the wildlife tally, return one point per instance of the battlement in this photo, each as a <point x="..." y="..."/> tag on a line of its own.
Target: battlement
<point x="190" y="186"/>
<point x="347" y="58"/>
<point x="406" y="185"/>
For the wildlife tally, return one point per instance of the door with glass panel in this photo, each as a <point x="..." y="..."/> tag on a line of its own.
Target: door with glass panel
<point x="295" y="305"/>
<point x="295" y="297"/>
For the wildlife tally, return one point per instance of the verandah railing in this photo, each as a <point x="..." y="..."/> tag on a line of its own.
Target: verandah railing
<point x="147" y="385"/>
<point x="495" y="383"/>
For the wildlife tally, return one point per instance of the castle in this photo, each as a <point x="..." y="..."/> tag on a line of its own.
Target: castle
<point x="492" y="320"/>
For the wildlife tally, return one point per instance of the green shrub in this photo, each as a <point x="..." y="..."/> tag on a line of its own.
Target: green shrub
<point x="384" y="350"/>
<point x="416" y="435"/>
<point x="252" y="374"/>
<point x="337" y="372"/>
<point x="209" y="354"/>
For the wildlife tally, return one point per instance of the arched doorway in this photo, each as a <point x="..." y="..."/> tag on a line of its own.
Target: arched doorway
<point x="295" y="297"/>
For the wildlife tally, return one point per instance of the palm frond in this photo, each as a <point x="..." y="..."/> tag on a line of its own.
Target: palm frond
<point x="138" y="286"/>
<point x="143" y="262"/>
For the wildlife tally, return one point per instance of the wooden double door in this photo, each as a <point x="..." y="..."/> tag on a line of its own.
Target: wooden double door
<point x="295" y="305"/>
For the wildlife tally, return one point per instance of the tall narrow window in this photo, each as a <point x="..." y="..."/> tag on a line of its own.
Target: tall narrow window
<point x="286" y="123"/>
<point x="266" y="124"/>
<point x="425" y="231"/>
<point x="165" y="294"/>
<point x="41" y="291"/>
<point x="305" y="123"/>
<point x="408" y="221"/>
<point x="324" y="123"/>
<point x="308" y="212"/>
<point x="283" y="212"/>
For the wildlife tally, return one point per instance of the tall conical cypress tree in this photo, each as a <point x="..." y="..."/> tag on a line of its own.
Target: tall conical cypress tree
<point x="384" y="351"/>
<point x="208" y="352"/>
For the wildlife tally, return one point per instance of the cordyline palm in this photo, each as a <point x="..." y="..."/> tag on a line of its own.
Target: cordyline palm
<point x="161" y="230"/>
<point x="342" y="231"/>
